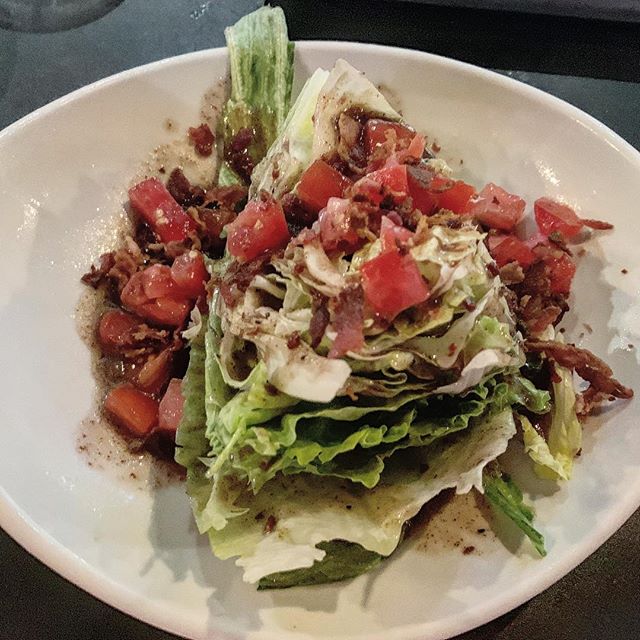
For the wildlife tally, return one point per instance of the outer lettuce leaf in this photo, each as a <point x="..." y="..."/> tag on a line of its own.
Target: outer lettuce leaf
<point x="261" y="64"/>
<point x="291" y="152"/>
<point x="372" y="518"/>
<point x="505" y="497"/>
<point x="343" y="560"/>
<point x="554" y="457"/>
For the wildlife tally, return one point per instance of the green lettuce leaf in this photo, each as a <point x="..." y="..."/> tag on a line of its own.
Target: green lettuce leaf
<point x="505" y="497"/>
<point x="343" y="560"/>
<point x="261" y="65"/>
<point x="554" y="457"/>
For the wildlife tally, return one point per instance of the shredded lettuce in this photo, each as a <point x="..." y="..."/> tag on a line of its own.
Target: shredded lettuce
<point x="505" y="497"/>
<point x="261" y="67"/>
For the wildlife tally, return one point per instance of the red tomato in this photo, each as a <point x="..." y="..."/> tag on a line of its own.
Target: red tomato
<point x="553" y="216"/>
<point x="419" y="179"/>
<point x="336" y="226"/>
<point x="116" y="329"/>
<point x="157" y="282"/>
<point x="497" y="208"/>
<point x="392" y="234"/>
<point x="132" y="409"/>
<point x="189" y="274"/>
<point x="377" y="132"/>
<point x="562" y="271"/>
<point x="506" y="249"/>
<point x="151" y="200"/>
<point x="388" y="180"/>
<point x="260" y="227"/>
<point x="171" y="406"/>
<point x="453" y="195"/>
<point x="164" y="310"/>
<point x="319" y="183"/>
<point x="393" y="283"/>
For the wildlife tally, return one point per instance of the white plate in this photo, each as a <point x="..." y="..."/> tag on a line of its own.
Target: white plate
<point x="62" y="177"/>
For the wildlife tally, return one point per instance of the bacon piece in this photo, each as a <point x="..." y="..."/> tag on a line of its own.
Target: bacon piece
<point x="347" y="310"/>
<point x="202" y="138"/>
<point x="117" y="267"/>
<point x="319" y="319"/>
<point x="230" y="197"/>
<point x="588" y="366"/>
<point x="239" y="276"/>
<point x="297" y="215"/>
<point x="183" y="192"/>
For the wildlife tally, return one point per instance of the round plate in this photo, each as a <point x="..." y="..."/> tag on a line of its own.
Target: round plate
<point x="130" y="541"/>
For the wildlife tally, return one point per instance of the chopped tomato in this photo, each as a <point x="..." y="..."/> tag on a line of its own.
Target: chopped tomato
<point x="157" y="282"/>
<point x="163" y="310"/>
<point x="419" y="179"/>
<point x="157" y="207"/>
<point x="377" y="132"/>
<point x="453" y="195"/>
<point x="496" y="208"/>
<point x="562" y="270"/>
<point x="260" y="227"/>
<point x="171" y="407"/>
<point x="392" y="283"/>
<point x="116" y="329"/>
<point x="554" y="216"/>
<point x="392" y="234"/>
<point x="319" y="183"/>
<point x="416" y="148"/>
<point x="337" y="230"/>
<point x="155" y="371"/>
<point x="189" y="274"/>
<point x="391" y="180"/>
<point x="132" y="409"/>
<point x="506" y="249"/>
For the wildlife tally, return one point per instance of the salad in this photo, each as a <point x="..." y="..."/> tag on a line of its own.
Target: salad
<point x="334" y="329"/>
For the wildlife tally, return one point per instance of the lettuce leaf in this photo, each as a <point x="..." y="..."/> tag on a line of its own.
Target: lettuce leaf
<point x="373" y="518"/>
<point x="343" y="560"/>
<point x="261" y="66"/>
<point x="554" y="457"/>
<point x="505" y="497"/>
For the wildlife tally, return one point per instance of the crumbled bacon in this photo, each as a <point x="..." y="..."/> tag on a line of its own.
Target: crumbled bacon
<point x="230" y="197"/>
<point x="202" y="138"/>
<point x="239" y="276"/>
<point x="588" y="366"/>
<point x="182" y="190"/>
<point x="347" y="311"/>
<point x="237" y="153"/>
<point x="319" y="318"/>
<point x="117" y="267"/>
<point x="511" y="273"/>
<point x="297" y="215"/>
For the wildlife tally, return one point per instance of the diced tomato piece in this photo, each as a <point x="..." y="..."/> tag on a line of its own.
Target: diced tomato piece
<point x="260" y="227"/>
<point x="496" y="208"/>
<point x="336" y="226"/>
<point x="506" y="249"/>
<point x="554" y="216"/>
<point x="377" y="132"/>
<point x="392" y="234"/>
<point x="171" y="407"/>
<point x="155" y="372"/>
<point x="157" y="282"/>
<point x="164" y="310"/>
<point x="116" y="329"/>
<point x="132" y="409"/>
<point x="189" y="274"/>
<point x="453" y="195"/>
<point x="562" y="270"/>
<point x="319" y="183"/>
<point x="419" y="179"/>
<point x="157" y="207"/>
<point x="393" y="283"/>
<point x="416" y="148"/>
<point x="388" y="180"/>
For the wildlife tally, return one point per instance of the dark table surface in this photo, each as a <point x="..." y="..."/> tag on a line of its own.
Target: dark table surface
<point x="598" y="600"/>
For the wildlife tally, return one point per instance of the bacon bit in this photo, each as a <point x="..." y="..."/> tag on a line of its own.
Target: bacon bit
<point x="468" y="550"/>
<point x="202" y="138"/>
<point x="237" y="153"/>
<point x="182" y="191"/>
<point x="452" y="348"/>
<point x="270" y="524"/>
<point x="469" y="304"/>
<point x="239" y="276"/>
<point x="624" y="271"/>
<point x="270" y="389"/>
<point x="435" y="147"/>
<point x="347" y="312"/>
<point x="260" y="516"/>
<point x="600" y="225"/>
<point x="319" y="319"/>
<point x="293" y="342"/>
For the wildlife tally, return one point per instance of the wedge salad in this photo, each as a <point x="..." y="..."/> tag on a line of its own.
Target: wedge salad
<point x="334" y="328"/>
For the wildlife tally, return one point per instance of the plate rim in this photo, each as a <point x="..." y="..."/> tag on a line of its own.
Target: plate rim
<point x="37" y="542"/>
